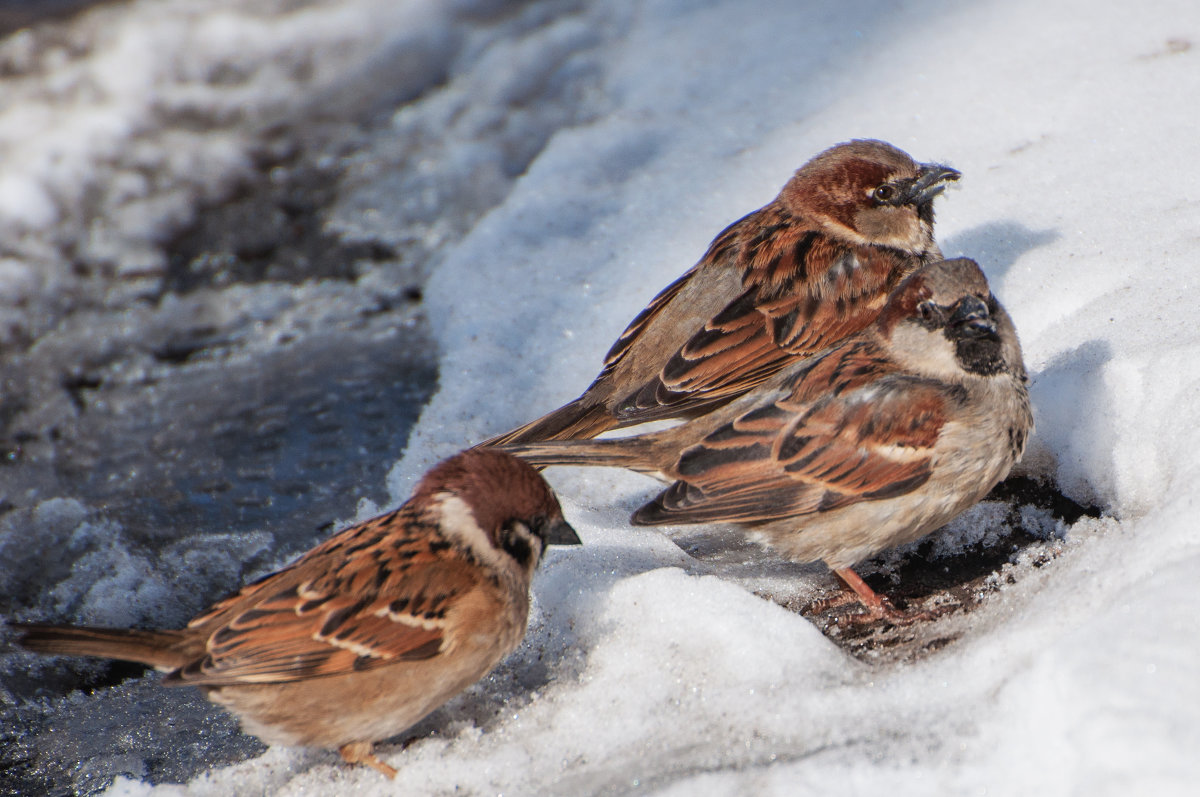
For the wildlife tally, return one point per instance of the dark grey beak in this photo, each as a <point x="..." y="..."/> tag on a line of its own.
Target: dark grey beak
<point x="561" y="533"/>
<point x="971" y="319"/>
<point x="931" y="180"/>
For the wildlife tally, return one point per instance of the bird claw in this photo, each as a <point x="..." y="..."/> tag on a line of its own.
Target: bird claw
<point x="361" y="753"/>
<point x="875" y="607"/>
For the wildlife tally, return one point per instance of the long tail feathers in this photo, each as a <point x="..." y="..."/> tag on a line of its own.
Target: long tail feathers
<point x="159" y="649"/>
<point x="571" y="421"/>
<point x="629" y="452"/>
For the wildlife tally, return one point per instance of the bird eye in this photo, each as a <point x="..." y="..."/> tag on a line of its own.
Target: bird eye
<point x="885" y="193"/>
<point x="929" y="313"/>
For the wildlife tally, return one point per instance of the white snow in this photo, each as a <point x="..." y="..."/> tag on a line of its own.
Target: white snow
<point x="1074" y="126"/>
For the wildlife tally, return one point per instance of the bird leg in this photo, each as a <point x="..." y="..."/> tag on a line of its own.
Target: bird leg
<point x="360" y="753"/>
<point x="877" y="606"/>
<point x="869" y="598"/>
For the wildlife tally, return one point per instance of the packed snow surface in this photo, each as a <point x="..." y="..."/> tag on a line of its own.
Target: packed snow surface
<point x="594" y="149"/>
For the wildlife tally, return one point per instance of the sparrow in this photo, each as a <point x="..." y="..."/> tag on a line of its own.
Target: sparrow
<point x="368" y="632"/>
<point x="869" y="445"/>
<point x="810" y="268"/>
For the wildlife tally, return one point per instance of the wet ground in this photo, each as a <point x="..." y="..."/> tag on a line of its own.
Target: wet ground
<point x="184" y="438"/>
<point x="16" y="14"/>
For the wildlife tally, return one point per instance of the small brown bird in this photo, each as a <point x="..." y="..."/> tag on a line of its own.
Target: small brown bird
<point x="370" y="631"/>
<point x="872" y="444"/>
<point x="790" y="279"/>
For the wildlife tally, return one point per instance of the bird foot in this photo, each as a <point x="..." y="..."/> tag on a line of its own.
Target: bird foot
<point x="876" y="607"/>
<point x="867" y="614"/>
<point x="361" y="753"/>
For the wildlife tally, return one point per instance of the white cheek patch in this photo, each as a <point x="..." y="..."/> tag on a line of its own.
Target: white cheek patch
<point x="843" y="232"/>
<point x="458" y="523"/>
<point x="926" y="352"/>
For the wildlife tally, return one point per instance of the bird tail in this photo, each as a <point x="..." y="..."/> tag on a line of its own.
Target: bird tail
<point x="576" y="420"/>
<point x="635" y="453"/>
<point x="159" y="649"/>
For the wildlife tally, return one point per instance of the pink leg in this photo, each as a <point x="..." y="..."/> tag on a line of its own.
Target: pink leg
<point x="877" y="606"/>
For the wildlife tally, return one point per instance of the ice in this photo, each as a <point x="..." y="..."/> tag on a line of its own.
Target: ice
<point x="548" y="167"/>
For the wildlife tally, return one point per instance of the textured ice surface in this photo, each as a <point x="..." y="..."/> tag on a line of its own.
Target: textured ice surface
<point x="552" y="165"/>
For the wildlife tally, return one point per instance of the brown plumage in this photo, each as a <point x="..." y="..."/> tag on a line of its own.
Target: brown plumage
<point x="869" y="445"/>
<point x="788" y="280"/>
<point x="371" y="630"/>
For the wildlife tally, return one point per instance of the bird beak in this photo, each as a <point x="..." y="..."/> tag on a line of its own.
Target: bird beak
<point x="971" y="319"/>
<point x="561" y="533"/>
<point x="931" y="181"/>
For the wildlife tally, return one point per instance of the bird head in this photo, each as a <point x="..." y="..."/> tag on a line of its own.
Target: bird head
<point x="869" y="192"/>
<point x="496" y="507"/>
<point x="943" y="321"/>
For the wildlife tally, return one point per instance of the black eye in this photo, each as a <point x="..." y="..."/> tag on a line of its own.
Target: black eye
<point x="929" y="313"/>
<point x="885" y="193"/>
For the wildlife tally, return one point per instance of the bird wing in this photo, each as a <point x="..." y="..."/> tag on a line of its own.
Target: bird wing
<point x="370" y="596"/>
<point x="849" y="429"/>
<point x="799" y="293"/>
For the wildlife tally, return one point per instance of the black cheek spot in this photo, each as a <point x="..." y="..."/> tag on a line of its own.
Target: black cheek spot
<point x="518" y="548"/>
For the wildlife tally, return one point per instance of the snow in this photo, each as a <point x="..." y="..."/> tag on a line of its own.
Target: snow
<point x="558" y="164"/>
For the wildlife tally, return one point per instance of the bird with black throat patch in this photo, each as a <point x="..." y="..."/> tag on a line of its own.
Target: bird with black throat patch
<point x="790" y="279"/>
<point x="365" y="634"/>
<point x="872" y="444"/>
